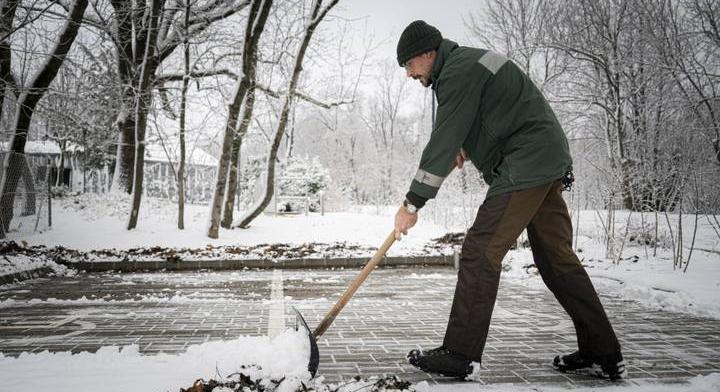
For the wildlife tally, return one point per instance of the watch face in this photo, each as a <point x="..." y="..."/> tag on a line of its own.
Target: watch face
<point x="410" y="208"/>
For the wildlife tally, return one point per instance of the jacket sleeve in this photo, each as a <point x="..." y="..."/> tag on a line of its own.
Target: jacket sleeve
<point x="458" y="95"/>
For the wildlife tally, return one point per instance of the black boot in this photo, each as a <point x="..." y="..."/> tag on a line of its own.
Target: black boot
<point x="442" y="361"/>
<point x="610" y="367"/>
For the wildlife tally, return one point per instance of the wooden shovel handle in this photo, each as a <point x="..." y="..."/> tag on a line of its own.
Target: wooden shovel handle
<point x="369" y="267"/>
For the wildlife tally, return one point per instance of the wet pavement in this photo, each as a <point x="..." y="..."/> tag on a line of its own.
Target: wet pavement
<point x="396" y="310"/>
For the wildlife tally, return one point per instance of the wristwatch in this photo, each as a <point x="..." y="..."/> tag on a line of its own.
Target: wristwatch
<point x="409" y="207"/>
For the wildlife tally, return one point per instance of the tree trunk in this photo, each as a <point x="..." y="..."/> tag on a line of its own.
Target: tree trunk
<point x="6" y="76"/>
<point x="144" y="100"/>
<point x="222" y="172"/>
<point x="125" y="155"/>
<point x="183" y="111"/>
<point x="315" y="19"/>
<point x="59" y="178"/>
<point x="125" y="122"/>
<point x="231" y="191"/>
<point x="29" y="207"/>
<point x="253" y="30"/>
<point x="26" y="107"/>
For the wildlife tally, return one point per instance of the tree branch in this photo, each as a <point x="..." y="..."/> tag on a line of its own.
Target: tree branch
<point x="160" y="79"/>
<point x="202" y="21"/>
<point x="302" y="96"/>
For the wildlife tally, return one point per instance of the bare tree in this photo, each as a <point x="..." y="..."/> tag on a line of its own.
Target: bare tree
<point x="180" y="178"/>
<point x="259" y="12"/>
<point x="7" y="79"/>
<point x="129" y="30"/>
<point x="687" y="45"/>
<point x="143" y="98"/>
<point x="517" y="28"/>
<point x="27" y="102"/>
<point x="381" y="119"/>
<point x="317" y="15"/>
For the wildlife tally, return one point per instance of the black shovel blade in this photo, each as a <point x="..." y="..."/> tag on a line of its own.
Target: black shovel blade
<point x="314" y="362"/>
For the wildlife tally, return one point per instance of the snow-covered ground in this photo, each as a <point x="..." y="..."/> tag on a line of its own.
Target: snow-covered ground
<point x="639" y="275"/>
<point x="123" y="369"/>
<point x="279" y="364"/>
<point x="89" y="222"/>
<point x="20" y="263"/>
<point x="641" y="272"/>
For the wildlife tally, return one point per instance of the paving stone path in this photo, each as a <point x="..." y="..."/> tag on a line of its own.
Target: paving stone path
<point x="395" y="311"/>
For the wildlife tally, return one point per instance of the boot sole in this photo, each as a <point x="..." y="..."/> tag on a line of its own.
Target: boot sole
<point x="592" y="371"/>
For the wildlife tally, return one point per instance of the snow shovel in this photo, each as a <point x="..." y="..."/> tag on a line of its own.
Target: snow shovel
<point x="314" y="362"/>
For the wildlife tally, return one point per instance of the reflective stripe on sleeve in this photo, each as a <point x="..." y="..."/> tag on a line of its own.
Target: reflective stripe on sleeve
<point x="426" y="178"/>
<point x="493" y="61"/>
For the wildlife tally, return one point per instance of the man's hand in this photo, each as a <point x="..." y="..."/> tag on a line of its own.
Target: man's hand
<point x="460" y="159"/>
<point x="403" y="222"/>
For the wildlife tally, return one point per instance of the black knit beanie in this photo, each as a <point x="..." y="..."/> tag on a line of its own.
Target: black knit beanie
<point x="417" y="38"/>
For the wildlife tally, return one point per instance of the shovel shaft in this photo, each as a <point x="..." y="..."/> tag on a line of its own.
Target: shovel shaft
<point x="369" y="267"/>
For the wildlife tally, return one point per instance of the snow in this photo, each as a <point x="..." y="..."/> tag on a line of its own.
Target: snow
<point x="91" y="221"/>
<point x="638" y="275"/>
<point x="19" y="264"/>
<point x="707" y="383"/>
<point x="42" y="147"/>
<point x="649" y="281"/>
<point x="195" y="156"/>
<point x="124" y="369"/>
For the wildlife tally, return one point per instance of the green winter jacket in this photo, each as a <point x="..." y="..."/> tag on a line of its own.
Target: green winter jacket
<point x="491" y="109"/>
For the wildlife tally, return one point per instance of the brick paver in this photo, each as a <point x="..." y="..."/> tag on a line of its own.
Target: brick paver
<point x="396" y="310"/>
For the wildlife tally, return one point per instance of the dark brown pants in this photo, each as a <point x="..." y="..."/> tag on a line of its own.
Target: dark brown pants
<point x="499" y="222"/>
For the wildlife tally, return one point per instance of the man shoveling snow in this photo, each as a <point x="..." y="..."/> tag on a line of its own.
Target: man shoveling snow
<point x="490" y="112"/>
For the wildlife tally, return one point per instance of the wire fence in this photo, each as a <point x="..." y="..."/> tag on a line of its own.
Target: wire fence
<point x="25" y="187"/>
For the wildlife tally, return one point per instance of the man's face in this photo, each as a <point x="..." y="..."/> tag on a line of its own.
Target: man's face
<point x="420" y="67"/>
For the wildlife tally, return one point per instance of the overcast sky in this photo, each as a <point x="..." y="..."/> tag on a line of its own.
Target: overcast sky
<point x="388" y="18"/>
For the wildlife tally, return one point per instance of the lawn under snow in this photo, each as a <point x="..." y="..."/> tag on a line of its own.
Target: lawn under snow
<point x="638" y="275"/>
<point x="93" y="221"/>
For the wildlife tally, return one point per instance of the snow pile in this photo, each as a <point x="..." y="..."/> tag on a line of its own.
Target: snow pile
<point x="243" y="364"/>
<point x="245" y="382"/>
<point x="124" y="369"/>
<point x="13" y="259"/>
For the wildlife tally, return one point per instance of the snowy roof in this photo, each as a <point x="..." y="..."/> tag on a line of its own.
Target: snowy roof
<point x="41" y="147"/>
<point x="193" y="155"/>
<point x="153" y="152"/>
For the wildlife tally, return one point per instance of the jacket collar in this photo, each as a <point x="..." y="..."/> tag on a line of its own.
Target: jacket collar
<point x="443" y="52"/>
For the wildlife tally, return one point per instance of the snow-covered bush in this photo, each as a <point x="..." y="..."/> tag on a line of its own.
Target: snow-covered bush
<point x="300" y="177"/>
<point x="62" y="191"/>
